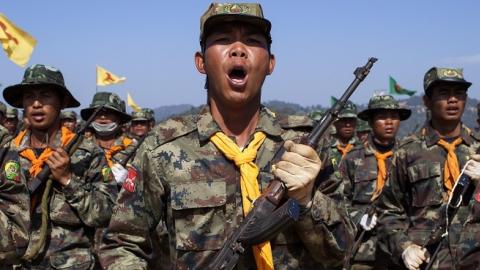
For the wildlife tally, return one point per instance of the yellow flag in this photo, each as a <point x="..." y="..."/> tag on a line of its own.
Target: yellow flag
<point x="15" y="42"/>
<point x="105" y="77"/>
<point x="132" y="103"/>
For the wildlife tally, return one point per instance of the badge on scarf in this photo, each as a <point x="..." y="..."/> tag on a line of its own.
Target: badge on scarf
<point x="107" y="174"/>
<point x="12" y="170"/>
<point x="129" y="184"/>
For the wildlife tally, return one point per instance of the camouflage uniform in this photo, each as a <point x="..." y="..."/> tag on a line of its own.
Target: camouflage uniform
<point x="73" y="210"/>
<point x="180" y="177"/>
<point x="359" y="172"/>
<point x="414" y="199"/>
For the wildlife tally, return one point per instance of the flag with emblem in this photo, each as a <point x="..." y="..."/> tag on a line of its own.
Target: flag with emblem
<point x="17" y="43"/>
<point x="396" y="89"/>
<point x="105" y="77"/>
<point x="132" y="103"/>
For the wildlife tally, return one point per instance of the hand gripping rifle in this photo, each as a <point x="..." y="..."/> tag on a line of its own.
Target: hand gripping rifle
<point x="439" y="237"/>
<point x="272" y="211"/>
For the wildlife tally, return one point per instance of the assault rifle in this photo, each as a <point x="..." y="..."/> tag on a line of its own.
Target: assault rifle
<point x="272" y="211"/>
<point x="44" y="174"/>
<point x="439" y="237"/>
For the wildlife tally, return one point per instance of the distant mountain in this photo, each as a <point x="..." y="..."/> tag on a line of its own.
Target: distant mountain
<point x="415" y="103"/>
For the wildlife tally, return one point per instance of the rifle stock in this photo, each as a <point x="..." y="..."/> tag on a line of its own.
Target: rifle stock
<point x="272" y="212"/>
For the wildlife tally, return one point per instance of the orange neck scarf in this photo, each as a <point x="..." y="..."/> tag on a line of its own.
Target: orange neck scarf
<point x="382" y="171"/>
<point x="344" y="149"/>
<point x="28" y="153"/>
<point x="248" y="184"/>
<point x="451" y="169"/>
<point x="109" y="153"/>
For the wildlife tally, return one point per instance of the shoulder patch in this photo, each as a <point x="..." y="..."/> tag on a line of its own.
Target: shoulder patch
<point x="129" y="184"/>
<point x="12" y="170"/>
<point x="171" y="129"/>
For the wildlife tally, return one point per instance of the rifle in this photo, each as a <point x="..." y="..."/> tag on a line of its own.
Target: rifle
<point x="272" y="211"/>
<point x="44" y="174"/>
<point x="132" y="153"/>
<point x="439" y="237"/>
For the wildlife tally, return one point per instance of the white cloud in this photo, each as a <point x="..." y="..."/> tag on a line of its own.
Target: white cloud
<point x="467" y="59"/>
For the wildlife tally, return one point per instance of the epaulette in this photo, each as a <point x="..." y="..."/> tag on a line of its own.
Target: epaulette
<point x="294" y="121"/>
<point x="171" y="129"/>
<point x="407" y="140"/>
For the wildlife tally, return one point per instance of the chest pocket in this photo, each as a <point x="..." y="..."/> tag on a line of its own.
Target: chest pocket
<point x="426" y="184"/>
<point x="61" y="212"/>
<point x="198" y="210"/>
<point x="364" y="184"/>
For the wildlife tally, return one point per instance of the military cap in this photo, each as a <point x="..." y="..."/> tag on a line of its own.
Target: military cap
<point x="316" y="115"/>
<point x="39" y="75"/>
<point x="436" y="75"/>
<point x="362" y="126"/>
<point x="142" y="115"/>
<point x="11" y="113"/>
<point x="68" y="115"/>
<point x="384" y="102"/>
<point x="109" y="101"/>
<point x="150" y="113"/>
<point x="228" y="12"/>
<point x="349" y="111"/>
<point x="3" y="108"/>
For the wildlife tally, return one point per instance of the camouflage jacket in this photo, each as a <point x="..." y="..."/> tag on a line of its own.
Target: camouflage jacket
<point x="182" y="178"/>
<point x="359" y="172"/>
<point x="330" y="154"/>
<point x="413" y="200"/>
<point x="4" y="136"/>
<point x="120" y="156"/>
<point x="74" y="210"/>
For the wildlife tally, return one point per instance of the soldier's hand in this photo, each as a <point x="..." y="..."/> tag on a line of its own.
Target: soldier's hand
<point x="414" y="256"/>
<point x="119" y="173"/>
<point x="368" y="222"/>
<point x="59" y="163"/>
<point x="473" y="168"/>
<point x="298" y="169"/>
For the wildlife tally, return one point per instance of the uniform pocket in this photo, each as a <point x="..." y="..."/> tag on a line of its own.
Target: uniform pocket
<point x="198" y="210"/>
<point x="61" y="212"/>
<point x="72" y="259"/>
<point x="365" y="182"/>
<point x="426" y="182"/>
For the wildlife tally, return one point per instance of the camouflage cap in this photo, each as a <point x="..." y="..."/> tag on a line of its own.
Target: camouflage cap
<point x="68" y="115"/>
<point x="349" y="110"/>
<point x="316" y="115"/>
<point x="11" y="113"/>
<point x="362" y="126"/>
<point x="3" y="108"/>
<point x="436" y="75"/>
<point x="142" y="115"/>
<point x="228" y="12"/>
<point x="110" y="101"/>
<point x="39" y="75"/>
<point x="384" y="102"/>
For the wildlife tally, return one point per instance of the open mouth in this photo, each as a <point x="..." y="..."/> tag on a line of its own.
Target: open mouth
<point x="452" y="110"/>
<point x="237" y="76"/>
<point x="38" y="116"/>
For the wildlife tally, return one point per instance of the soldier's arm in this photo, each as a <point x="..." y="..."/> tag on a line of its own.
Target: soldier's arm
<point x="137" y="211"/>
<point x="391" y="207"/>
<point x="14" y="220"/>
<point x="325" y="228"/>
<point x="89" y="194"/>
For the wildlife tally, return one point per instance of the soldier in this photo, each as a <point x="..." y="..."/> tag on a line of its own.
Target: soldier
<point x="108" y="134"/>
<point x="61" y="213"/>
<point x="184" y="173"/>
<point x="68" y="119"/>
<point x="365" y="171"/>
<point x="11" y="121"/>
<point x="151" y="115"/>
<point x="424" y="170"/>
<point x="140" y="124"/>
<point x="363" y="130"/>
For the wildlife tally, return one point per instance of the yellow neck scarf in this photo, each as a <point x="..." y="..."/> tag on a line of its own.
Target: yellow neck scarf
<point x="382" y="171"/>
<point x="109" y="153"/>
<point x="344" y="149"/>
<point x="451" y="169"/>
<point x="248" y="184"/>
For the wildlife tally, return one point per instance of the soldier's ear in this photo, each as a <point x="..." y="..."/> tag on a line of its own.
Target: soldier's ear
<point x="271" y="65"/>
<point x="427" y="101"/>
<point x="200" y="62"/>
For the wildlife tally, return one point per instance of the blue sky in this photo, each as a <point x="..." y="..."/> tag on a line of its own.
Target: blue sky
<point x="317" y="45"/>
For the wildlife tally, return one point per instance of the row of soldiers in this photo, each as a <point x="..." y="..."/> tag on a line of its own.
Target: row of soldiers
<point x="171" y="199"/>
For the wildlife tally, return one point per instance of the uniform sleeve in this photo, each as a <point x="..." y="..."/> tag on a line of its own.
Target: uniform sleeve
<point x="326" y="229"/>
<point x="127" y="243"/>
<point x="90" y="194"/>
<point x="14" y="220"/>
<point x="391" y="207"/>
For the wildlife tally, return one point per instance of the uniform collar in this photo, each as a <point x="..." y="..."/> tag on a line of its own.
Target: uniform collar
<point x="432" y="137"/>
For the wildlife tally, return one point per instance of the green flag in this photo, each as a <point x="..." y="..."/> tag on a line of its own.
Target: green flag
<point x="333" y="100"/>
<point x="396" y="89"/>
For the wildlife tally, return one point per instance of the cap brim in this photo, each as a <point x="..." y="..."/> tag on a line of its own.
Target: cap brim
<point x="87" y="112"/>
<point x="449" y="82"/>
<point x="365" y="115"/>
<point x="262" y="23"/>
<point x="347" y="115"/>
<point x="13" y="94"/>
